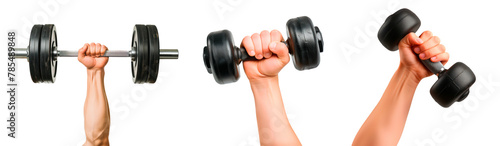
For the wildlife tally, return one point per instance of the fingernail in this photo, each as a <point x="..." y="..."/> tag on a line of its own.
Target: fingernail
<point x="272" y="45"/>
<point x="419" y="40"/>
<point x="417" y="49"/>
<point x="268" y="55"/>
<point x="258" y="56"/>
<point x="433" y="58"/>
<point x="422" y="55"/>
<point x="252" y="53"/>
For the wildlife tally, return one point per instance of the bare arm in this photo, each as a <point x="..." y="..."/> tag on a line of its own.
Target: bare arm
<point x="272" y="56"/>
<point x="274" y="128"/>
<point x="96" y="108"/>
<point x="385" y="124"/>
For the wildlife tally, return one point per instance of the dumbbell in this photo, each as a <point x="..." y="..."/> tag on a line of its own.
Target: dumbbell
<point x="453" y="84"/>
<point x="222" y="57"/>
<point x="42" y="53"/>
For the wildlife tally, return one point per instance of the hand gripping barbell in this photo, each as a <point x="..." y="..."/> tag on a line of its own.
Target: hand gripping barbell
<point x="222" y="57"/>
<point x="453" y="84"/>
<point x="42" y="53"/>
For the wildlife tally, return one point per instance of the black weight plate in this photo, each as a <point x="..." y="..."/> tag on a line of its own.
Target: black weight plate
<point x="48" y="42"/>
<point x="221" y="57"/>
<point x="154" y="53"/>
<point x="396" y="27"/>
<point x="453" y="84"/>
<point x="53" y="63"/>
<point x="33" y="57"/>
<point x="140" y="43"/>
<point x="302" y="42"/>
<point x="206" y="59"/>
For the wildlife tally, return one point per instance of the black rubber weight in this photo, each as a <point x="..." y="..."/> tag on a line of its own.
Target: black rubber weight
<point x="134" y="57"/>
<point x="141" y="63"/>
<point x="220" y="56"/>
<point x="303" y="44"/>
<point x="154" y="53"/>
<point x="452" y="84"/>
<point x="44" y="39"/>
<point x="396" y="27"/>
<point x="53" y="63"/>
<point x="33" y="50"/>
<point x="47" y="63"/>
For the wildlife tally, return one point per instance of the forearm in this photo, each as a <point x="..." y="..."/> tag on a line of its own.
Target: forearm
<point x="385" y="124"/>
<point x="274" y="128"/>
<point x="96" y="109"/>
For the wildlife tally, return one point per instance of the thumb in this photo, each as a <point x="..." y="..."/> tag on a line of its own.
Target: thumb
<point x="81" y="52"/>
<point x="280" y="50"/>
<point x="409" y="40"/>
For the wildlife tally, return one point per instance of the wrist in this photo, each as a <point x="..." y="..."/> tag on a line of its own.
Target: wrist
<point x="265" y="87"/>
<point x="263" y="82"/>
<point x="95" y="72"/>
<point x="409" y="74"/>
<point x="94" y="69"/>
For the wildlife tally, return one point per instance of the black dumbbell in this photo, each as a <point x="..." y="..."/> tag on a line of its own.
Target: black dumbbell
<point x="222" y="57"/>
<point x="453" y="84"/>
<point x="42" y="53"/>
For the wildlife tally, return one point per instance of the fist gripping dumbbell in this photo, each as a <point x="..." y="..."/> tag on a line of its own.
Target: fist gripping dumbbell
<point x="453" y="84"/>
<point x="222" y="57"/>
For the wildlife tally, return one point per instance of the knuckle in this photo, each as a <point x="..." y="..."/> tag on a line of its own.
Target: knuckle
<point x="264" y="32"/>
<point x="442" y="47"/>
<point x="255" y="36"/>
<point x="274" y="31"/>
<point x="427" y="54"/>
<point x="426" y="47"/>
<point x="436" y="39"/>
<point x="428" y="33"/>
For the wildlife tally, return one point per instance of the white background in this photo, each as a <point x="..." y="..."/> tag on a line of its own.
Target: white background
<point x="326" y="106"/>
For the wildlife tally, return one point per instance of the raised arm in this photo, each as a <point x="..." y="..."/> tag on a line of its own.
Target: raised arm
<point x="272" y="55"/>
<point x="385" y="124"/>
<point x="96" y="108"/>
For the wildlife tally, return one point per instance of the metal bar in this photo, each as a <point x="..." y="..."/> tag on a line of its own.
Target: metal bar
<point x="108" y="53"/>
<point x="21" y="53"/>
<point x="169" y="54"/>
<point x="164" y="53"/>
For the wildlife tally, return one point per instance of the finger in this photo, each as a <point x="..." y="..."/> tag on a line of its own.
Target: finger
<point x="98" y="50"/>
<point x="265" y="38"/>
<point x="426" y="35"/>
<point x="410" y="40"/>
<point x="103" y="50"/>
<point x="92" y="49"/>
<point x="276" y="36"/>
<point x="429" y="44"/>
<point x="257" y="44"/>
<point x="82" y="51"/>
<point x="432" y="52"/>
<point x="280" y="50"/>
<point x="443" y="57"/>
<point x="248" y="45"/>
<point x="88" y="50"/>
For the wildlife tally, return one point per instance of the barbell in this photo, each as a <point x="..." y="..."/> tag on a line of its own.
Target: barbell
<point x="42" y="53"/>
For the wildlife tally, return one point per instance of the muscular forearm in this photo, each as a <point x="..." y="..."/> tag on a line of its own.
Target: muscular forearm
<point x="385" y="124"/>
<point x="96" y="109"/>
<point x="274" y="128"/>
